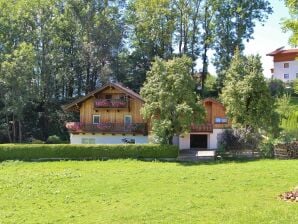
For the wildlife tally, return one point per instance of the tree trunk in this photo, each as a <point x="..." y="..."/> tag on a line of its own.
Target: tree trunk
<point x="8" y="129"/>
<point x="20" y="132"/>
<point x="13" y="128"/>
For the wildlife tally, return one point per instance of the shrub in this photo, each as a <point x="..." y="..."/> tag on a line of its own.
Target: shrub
<point x="238" y="139"/>
<point x="53" y="139"/>
<point x="66" y="151"/>
<point x="266" y="148"/>
<point x="37" y="141"/>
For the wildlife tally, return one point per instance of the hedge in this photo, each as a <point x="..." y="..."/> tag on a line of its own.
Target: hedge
<point x="29" y="152"/>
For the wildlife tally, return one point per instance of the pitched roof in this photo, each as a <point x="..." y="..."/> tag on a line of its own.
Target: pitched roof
<point x="281" y="50"/>
<point x="115" y="85"/>
<point x="209" y="99"/>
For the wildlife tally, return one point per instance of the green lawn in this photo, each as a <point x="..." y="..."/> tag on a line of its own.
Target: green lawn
<point x="128" y="191"/>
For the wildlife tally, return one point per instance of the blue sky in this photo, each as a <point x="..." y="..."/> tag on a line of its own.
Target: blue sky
<point x="268" y="37"/>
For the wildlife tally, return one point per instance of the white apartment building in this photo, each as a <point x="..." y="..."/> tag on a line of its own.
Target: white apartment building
<point x="285" y="64"/>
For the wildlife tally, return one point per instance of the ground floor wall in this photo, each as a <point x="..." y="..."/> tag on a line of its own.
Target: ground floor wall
<point x="89" y="138"/>
<point x="184" y="141"/>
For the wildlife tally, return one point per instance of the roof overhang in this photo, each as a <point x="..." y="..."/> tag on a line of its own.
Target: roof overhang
<point x="77" y="102"/>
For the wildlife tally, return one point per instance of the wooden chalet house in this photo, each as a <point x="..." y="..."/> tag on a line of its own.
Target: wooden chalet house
<point x="111" y="115"/>
<point x="108" y="115"/>
<point x="207" y="135"/>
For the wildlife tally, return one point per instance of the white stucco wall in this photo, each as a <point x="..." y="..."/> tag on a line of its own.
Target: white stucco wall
<point x="279" y="70"/>
<point x="107" y="139"/>
<point x="214" y="137"/>
<point x="184" y="140"/>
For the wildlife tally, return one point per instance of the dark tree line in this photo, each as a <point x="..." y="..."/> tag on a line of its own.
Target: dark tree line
<point x="52" y="51"/>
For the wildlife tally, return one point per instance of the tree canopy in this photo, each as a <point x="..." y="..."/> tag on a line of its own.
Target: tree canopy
<point x="246" y="95"/>
<point x="171" y="103"/>
<point x="78" y="45"/>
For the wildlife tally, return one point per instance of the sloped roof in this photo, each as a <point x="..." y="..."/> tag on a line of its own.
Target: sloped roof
<point x="281" y="50"/>
<point x="115" y="85"/>
<point x="209" y="99"/>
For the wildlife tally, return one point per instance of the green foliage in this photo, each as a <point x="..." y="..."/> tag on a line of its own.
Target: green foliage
<point x="238" y="139"/>
<point x="210" y="88"/>
<point x="291" y="24"/>
<point x="235" y="22"/>
<point x="37" y="141"/>
<point x="170" y="100"/>
<point x="290" y="124"/>
<point x="266" y="148"/>
<point x="54" y="139"/>
<point x="296" y="86"/>
<point x="283" y="106"/>
<point x="246" y="96"/>
<point x="65" y="151"/>
<point x="276" y="87"/>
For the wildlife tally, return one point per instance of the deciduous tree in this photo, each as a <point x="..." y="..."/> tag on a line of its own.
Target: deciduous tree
<point x="171" y="103"/>
<point x="246" y="95"/>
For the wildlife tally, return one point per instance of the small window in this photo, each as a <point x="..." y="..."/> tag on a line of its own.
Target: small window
<point x="296" y="75"/>
<point x="221" y="120"/>
<point x="127" y="119"/>
<point x="88" y="140"/>
<point x="286" y="76"/>
<point x="108" y="97"/>
<point x="96" y="119"/>
<point x="286" y="65"/>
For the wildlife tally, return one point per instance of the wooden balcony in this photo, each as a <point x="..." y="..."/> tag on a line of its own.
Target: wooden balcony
<point x="202" y="128"/>
<point x="109" y="128"/>
<point x="110" y="103"/>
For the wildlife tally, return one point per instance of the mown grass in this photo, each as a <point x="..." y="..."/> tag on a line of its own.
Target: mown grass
<point x="129" y="191"/>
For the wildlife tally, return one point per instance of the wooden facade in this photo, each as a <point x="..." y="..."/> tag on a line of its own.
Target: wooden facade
<point x="117" y="111"/>
<point x="116" y="108"/>
<point x="215" y="117"/>
<point x="111" y="115"/>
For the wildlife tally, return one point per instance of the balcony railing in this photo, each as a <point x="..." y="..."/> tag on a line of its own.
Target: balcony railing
<point x="110" y="103"/>
<point x="202" y="128"/>
<point x="117" y="128"/>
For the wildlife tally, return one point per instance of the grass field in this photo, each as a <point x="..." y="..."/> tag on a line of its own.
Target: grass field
<point x="128" y="191"/>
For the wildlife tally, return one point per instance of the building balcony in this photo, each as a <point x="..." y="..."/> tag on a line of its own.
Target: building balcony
<point x="111" y="103"/>
<point x="202" y="128"/>
<point x="109" y="128"/>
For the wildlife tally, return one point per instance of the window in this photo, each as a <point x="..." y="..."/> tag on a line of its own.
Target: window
<point x="221" y="120"/>
<point x="96" y="119"/>
<point x="88" y="140"/>
<point x="286" y="76"/>
<point x="127" y="119"/>
<point x="108" y="97"/>
<point x="296" y="75"/>
<point x="286" y="65"/>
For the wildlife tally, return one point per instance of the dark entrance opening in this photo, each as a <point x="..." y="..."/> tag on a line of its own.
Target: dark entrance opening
<point x="199" y="141"/>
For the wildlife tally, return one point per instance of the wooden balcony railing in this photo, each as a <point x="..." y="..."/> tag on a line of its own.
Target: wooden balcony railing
<point x="117" y="128"/>
<point x="202" y="128"/>
<point x="111" y="103"/>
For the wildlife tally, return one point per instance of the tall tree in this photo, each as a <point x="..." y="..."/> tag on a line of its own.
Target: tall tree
<point x="19" y="89"/>
<point x="235" y="22"/>
<point x="291" y="24"/>
<point x="174" y="106"/>
<point x="246" y="95"/>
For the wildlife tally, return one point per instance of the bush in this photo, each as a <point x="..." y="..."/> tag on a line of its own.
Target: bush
<point x="238" y="139"/>
<point x="29" y="152"/>
<point x="37" y="141"/>
<point x="53" y="139"/>
<point x="266" y="148"/>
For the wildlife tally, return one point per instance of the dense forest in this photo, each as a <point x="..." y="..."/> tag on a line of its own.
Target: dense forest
<point x="53" y="51"/>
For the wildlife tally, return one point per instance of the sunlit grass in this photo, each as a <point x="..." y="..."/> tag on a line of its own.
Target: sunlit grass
<point x="128" y="191"/>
